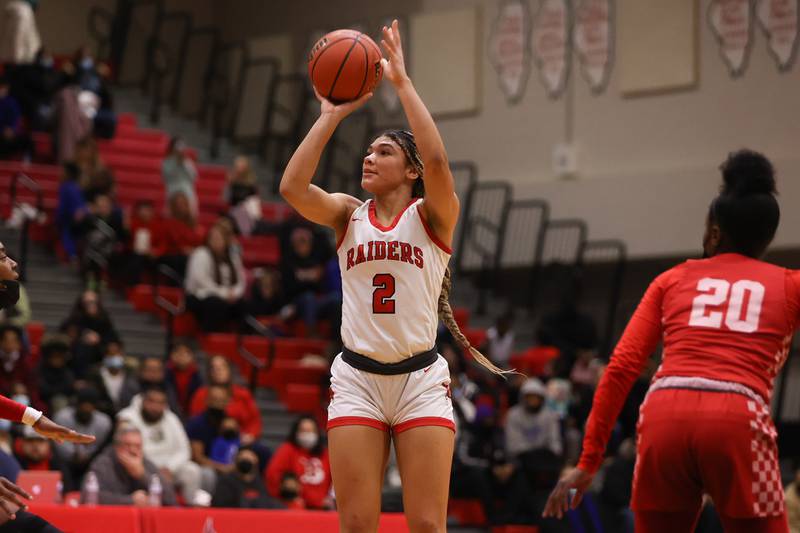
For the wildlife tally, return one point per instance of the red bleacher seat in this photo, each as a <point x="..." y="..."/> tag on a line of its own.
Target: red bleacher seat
<point x="466" y="512"/>
<point x="461" y="315"/>
<point x="143" y="148"/>
<point x="296" y="348"/>
<point x="261" y="250"/>
<point x="127" y="119"/>
<point x="185" y="325"/>
<point x="532" y="362"/>
<point x="119" y="162"/>
<point x="212" y="173"/>
<point x="303" y="398"/>
<point x="35" y="332"/>
<point x="475" y="336"/>
<point x="220" y="343"/>
<point x="141" y="297"/>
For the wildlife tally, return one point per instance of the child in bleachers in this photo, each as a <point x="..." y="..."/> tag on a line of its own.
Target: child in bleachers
<point x="143" y="230"/>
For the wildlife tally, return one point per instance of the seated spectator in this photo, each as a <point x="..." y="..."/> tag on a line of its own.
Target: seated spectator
<point x="179" y="173"/>
<point x="500" y="340"/>
<point x="179" y="235"/>
<point x="95" y="94"/>
<point x="793" y="502"/>
<point x="226" y="443"/>
<point x="71" y="123"/>
<point x="18" y="316"/>
<point x="94" y="177"/>
<point x="304" y="455"/>
<point x="15" y="366"/>
<point x="84" y="418"/>
<point x="183" y="375"/>
<point x="215" y="282"/>
<point x="71" y="209"/>
<point x="153" y="373"/>
<point x="165" y="442"/>
<point x="125" y="474"/>
<point x="241" y="405"/>
<point x="290" y="492"/>
<point x="142" y="247"/>
<point x="102" y="235"/>
<point x="56" y="380"/>
<point x="241" y="182"/>
<point x="89" y="328"/>
<point x="266" y="294"/>
<point x="243" y="488"/>
<point x="533" y="435"/>
<point x="13" y="140"/>
<point x="9" y="466"/>
<point x="115" y="383"/>
<point x="204" y="428"/>
<point x="303" y="270"/>
<point x="35" y="453"/>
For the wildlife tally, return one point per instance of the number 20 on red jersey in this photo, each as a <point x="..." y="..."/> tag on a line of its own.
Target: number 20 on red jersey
<point x="737" y="305"/>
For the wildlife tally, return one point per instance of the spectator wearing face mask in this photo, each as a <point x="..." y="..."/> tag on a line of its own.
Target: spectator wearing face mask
<point x="226" y="443"/>
<point x="243" y="488"/>
<point x="532" y="425"/>
<point x="85" y="418"/>
<point x="116" y="384"/>
<point x="165" y="442"/>
<point x="304" y="455"/>
<point x="290" y="492"/>
<point x="204" y="428"/>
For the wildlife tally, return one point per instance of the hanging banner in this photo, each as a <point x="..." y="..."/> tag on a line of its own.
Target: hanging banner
<point x="778" y="19"/>
<point x="551" y="45"/>
<point x="593" y="38"/>
<point x="732" y="24"/>
<point x="510" y="48"/>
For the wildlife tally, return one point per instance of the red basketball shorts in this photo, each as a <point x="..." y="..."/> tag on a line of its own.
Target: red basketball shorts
<point x="720" y="443"/>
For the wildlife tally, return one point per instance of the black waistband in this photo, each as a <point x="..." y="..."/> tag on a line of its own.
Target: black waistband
<point x="406" y="366"/>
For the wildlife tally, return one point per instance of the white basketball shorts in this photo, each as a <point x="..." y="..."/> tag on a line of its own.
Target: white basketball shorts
<point x="390" y="403"/>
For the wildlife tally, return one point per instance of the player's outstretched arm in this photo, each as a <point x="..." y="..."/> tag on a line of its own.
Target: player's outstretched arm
<point x="441" y="203"/>
<point x="312" y="202"/>
<point x="47" y="428"/>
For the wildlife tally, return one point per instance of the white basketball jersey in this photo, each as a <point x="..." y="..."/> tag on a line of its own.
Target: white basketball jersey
<point x="391" y="281"/>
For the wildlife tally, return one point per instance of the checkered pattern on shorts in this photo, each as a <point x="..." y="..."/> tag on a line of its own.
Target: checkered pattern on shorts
<point x="767" y="489"/>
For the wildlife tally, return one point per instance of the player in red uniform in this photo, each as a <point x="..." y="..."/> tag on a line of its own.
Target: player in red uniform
<point x="726" y="322"/>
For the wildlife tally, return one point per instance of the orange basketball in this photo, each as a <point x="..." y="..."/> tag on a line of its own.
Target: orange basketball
<point x="345" y="65"/>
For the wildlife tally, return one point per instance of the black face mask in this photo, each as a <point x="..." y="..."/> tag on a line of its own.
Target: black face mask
<point x="244" y="466"/>
<point x="533" y="410"/>
<point x="230" y="434"/>
<point x="288" y="494"/>
<point x="215" y="416"/>
<point x="9" y="294"/>
<point x="83" y="417"/>
<point x="150" y="418"/>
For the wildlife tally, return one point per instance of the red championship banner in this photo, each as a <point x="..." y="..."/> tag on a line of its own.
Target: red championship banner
<point x="594" y="41"/>
<point x="779" y="20"/>
<point x="510" y="47"/>
<point x="732" y="24"/>
<point x="551" y="45"/>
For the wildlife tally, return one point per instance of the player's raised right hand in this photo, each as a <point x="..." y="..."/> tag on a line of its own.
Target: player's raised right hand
<point x="559" y="501"/>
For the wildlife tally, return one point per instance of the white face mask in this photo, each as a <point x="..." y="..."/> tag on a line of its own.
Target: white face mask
<point x="307" y="439"/>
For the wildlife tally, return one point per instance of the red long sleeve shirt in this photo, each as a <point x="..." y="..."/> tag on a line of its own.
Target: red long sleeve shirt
<point x="314" y="473"/>
<point x="11" y="410"/>
<point x="727" y="318"/>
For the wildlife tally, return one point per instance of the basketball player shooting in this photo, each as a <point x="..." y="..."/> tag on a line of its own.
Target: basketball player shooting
<point x="388" y="382"/>
<point x="726" y="322"/>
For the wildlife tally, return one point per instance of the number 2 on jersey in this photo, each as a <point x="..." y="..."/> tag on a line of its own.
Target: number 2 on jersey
<point x="715" y="292"/>
<point x="382" y="301"/>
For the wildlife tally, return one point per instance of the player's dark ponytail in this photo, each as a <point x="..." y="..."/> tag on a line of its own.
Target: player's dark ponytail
<point x="746" y="209"/>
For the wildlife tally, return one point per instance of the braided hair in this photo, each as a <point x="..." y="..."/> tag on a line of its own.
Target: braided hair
<point x="405" y="140"/>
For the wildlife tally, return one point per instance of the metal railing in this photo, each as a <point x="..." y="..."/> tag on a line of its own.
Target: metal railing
<point x="22" y="179"/>
<point x="257" y="365"/>
<point x="172" y="310"/>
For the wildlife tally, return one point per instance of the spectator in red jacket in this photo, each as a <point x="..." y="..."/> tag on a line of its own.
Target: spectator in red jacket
<point x="179" y="234"/>
<point x="242" y="405"/>
<point x="183" y="374"/>
<point x="304" y="455"/>
<point x="142" y="246"/>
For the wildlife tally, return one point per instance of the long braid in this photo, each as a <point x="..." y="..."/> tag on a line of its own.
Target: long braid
<point x="446" y="316"/>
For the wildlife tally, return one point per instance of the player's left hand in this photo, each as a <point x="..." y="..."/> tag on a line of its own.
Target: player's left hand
<point x="394" y="67"/>
<point x="559" y="501"/>
<point x="49" y="429"/>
